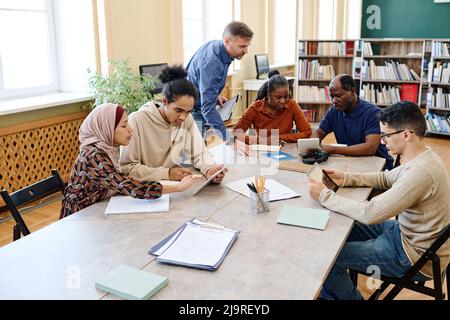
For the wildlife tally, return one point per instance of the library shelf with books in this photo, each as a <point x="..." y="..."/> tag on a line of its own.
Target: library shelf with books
<point x="319" y="61"/>
<point x="438" y="88"/>
<point x="391" y="66"/>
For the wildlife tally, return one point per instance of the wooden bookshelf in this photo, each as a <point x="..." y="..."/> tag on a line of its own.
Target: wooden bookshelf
<point x="312" y="93"/>
<point x="438" y="79"/>
<point x="327" y="56"/>
<point x="392" y="57"/>
<point x="389" y="79"/>
<point x="391" y="66"/>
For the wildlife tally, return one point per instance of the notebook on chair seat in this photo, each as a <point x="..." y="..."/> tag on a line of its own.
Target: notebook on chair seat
<point x="131" y="283"/>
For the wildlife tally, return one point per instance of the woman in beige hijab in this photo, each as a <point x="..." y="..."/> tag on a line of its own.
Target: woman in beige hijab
<point x="96" y="174"/>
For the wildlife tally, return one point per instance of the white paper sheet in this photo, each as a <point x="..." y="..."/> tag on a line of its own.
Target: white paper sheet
<point x="197" y="245"/>
<point x="277" y="190"/>
<point x="263" y="147"/>
<point x="223" y="153"/>
<point x="125" y="204"/>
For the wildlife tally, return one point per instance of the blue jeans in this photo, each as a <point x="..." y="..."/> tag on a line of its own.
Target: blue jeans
<point x="202" y="127"/>
<point x="368" y="248"/>
<point x="199" y="121"/>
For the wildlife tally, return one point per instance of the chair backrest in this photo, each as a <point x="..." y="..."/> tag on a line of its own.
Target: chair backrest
<point x="28" y="194"/>
<point x="439" y="241"/>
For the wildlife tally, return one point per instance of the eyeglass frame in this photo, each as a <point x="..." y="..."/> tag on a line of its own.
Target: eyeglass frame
<point x="388" y="135"/>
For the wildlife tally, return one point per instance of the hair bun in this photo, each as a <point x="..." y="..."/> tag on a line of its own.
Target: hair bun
<point x="273" y="73"/>
<point x="172" y="73"/>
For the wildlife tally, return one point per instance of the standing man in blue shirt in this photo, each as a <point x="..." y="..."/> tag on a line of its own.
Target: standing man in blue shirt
<point x="208" y="70"/>
<point x="354" y="122"/>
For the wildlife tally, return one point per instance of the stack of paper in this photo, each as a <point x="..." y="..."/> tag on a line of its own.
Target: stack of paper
<point x="131" y="283"/>
<point x="125" y="204"/>
<point x="277" y="190"/>
<point x="304" y="217"/>
<point x="196" y="244"/>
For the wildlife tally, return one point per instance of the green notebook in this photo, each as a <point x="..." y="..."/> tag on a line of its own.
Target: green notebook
<point x="304" y="217"/>
<point x="131" y="283"/>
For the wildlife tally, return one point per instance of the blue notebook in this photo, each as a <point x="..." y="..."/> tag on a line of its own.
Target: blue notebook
<point x="304" y="217"/>
<point x="131" y="283"/>
<point x="280" y="156"/>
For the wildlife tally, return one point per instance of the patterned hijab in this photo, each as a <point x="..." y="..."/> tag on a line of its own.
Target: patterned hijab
<point x="98" y="129"/>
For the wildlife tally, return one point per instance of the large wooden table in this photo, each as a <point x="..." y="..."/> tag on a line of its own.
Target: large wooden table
<point x="268" y="260"/>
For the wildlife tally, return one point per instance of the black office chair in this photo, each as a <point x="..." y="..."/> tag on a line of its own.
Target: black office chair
<point x="406" y="282"/>
<point x="28" y="194"/>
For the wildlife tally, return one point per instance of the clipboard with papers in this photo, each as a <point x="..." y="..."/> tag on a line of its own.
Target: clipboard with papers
<point x="196" y="244"/>
<point x="227" y="109"/>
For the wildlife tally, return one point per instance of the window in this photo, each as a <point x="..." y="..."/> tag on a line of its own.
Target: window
<point x="284" y="24"/>
<point x="46" y="46"/>
<point x="353" y="19"/>
<point x="27" y="51"/>
<point x="327" y="21"/>
<point x="204" y="20"/>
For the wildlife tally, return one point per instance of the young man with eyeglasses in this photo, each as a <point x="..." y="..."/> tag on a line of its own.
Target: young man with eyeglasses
<point x="417" y="191"/>
<point x="353" y="121"/>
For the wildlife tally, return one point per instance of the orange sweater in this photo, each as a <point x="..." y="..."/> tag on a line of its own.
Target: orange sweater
<point x="258" y="114"/>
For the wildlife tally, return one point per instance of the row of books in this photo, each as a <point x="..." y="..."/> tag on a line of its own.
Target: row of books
<point x="438" y="98"/>
<point x="314" y="94"/>
<point x="438" y="123"/>
<point x="342" y="48"/>
<point x="440" y="49"/>
<point x="392" y="70"/>
<point x="310" y="115"/>
<point x="439" y="72"/>
<point x="367" y="49"/>
<point x="383" y="95"/>
<point x="313" y="70"/>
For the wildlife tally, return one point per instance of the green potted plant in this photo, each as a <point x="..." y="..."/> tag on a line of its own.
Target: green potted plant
<point x="128" y="89"/>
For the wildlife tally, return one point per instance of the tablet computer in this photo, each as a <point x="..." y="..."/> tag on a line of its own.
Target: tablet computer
<point x="208" y="181"/>
<point x="305" y="145"/>
<point x="317" y="173"/>
<point x="227" y="109"/>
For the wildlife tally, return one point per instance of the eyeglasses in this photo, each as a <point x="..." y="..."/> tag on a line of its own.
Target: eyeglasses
<point x="384" y="136"/>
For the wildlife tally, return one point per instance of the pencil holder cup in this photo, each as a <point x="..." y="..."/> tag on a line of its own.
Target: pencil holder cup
<point x="256" y="205"/>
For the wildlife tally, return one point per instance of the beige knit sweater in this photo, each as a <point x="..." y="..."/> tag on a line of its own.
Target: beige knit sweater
<point x="418" y="191"/>
<point x="157" y="146"/>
